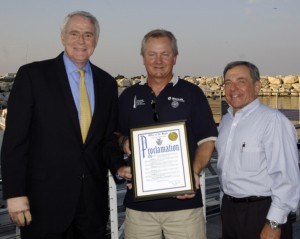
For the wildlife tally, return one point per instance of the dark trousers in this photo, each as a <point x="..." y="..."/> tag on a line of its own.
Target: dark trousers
<point x="81" y="228"/>
<point x="245" y="220"/>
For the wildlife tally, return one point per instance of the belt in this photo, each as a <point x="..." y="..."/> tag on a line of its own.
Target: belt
<point x="246" y="199"/>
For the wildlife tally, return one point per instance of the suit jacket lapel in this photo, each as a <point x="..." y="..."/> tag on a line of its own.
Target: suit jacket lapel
<point x="65" y="90"/>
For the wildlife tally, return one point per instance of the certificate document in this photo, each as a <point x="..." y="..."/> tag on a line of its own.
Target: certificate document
<point x="160" y="161"/>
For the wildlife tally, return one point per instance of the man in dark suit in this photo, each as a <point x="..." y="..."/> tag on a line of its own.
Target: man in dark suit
<point x="51" y="173"/>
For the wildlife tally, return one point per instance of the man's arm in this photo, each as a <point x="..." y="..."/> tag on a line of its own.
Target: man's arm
<point x="202" y="157"/>
<point x="268" y="233"/>
<point x="280" y="143"/>
<point x="16" y="138"/>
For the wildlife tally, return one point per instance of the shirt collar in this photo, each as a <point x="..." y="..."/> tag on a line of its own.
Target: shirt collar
<point x="174" y="80"/>
<point x="246" y="110"/>
<point x="71" y="67"/>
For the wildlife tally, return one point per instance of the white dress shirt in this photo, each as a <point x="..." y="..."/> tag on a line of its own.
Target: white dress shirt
<point x="258" y="156"/>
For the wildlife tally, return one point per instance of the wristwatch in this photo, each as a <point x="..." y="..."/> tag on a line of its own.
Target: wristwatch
<point x="273" y="224"/>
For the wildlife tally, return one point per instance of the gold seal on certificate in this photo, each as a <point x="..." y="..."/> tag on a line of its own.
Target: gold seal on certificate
<point x="173" y="136"/>
<point x="160" y="161"/>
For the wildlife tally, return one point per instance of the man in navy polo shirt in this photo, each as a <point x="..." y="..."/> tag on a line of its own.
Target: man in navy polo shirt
<point x="161" y="98"/>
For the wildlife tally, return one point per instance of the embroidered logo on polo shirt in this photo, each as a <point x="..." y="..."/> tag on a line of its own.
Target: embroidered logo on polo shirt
<point x="175" y="101"/>
<point x="137" y="102"/>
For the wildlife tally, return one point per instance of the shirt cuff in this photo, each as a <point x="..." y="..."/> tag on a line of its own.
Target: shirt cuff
<point x="119" y="177"/>
<point x="277" y="214"/>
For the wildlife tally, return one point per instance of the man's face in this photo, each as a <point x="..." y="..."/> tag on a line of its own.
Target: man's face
<point x="240" y="89"/>
<point x="159" y="58"/>
<point x="79" y="40"/>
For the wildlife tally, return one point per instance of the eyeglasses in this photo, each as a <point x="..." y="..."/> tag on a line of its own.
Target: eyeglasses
<point x="155" y="113"/>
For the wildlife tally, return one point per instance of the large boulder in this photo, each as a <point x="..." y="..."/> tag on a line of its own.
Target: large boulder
<point x="220" y="80"/>
<point x="202" y="81"/>
<point x="125" y="82"/>
<point x="264" y="82"/>
<point x="287" y="86"/>
<point x="215" y="87"/>
<point x="296" y="87"/>
<point x="290" y="79"/>
<point x="274" y="80"/>
<point x="191" y="79"/>
<point x="266" y="91"/>
<point x="210" y="80"/>
<point x="274" y="87"/>
<point x="5" y="86"/>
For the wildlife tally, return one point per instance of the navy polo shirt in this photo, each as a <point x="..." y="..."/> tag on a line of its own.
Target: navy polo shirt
<point x="178" y="101"/>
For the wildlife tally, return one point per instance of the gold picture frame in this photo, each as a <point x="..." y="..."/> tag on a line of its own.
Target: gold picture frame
<point x="160" y="161"/>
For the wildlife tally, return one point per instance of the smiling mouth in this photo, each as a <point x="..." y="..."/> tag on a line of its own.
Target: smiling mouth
<point x="234" y="96"/>
<point x="158" y="67"/>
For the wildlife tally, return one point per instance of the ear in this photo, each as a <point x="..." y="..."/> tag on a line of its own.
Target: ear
<point x="257" y="87"/>
<point x="174" y="60"/>
<point x="97" y="41"/>
<point x="62" y="38"/>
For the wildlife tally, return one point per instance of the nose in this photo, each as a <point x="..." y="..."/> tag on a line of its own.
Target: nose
<point x="158" y="58"/>
<point x="233" y="86"/>
<point x="81" y="38"/>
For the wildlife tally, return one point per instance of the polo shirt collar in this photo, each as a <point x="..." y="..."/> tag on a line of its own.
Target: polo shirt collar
<point x="174" y="80"/>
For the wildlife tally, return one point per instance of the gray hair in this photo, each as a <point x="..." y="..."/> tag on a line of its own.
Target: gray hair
<point x="82" y="14"/>
<point x="160" y="33"/>
<point x="254" y="72"/>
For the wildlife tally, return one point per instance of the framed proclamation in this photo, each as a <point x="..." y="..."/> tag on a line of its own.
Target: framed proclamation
<point x="160" y="161"/>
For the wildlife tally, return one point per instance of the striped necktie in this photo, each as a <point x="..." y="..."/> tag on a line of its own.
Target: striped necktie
<point x="85" y="108"/>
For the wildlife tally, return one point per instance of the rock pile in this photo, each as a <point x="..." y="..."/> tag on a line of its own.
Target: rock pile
<point x="211" y="86"/>
<point x="214" y="86"/>
<point x="5" y="88"/>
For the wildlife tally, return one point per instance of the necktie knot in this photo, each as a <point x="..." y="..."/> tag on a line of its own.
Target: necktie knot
<point x="81" y="72"/>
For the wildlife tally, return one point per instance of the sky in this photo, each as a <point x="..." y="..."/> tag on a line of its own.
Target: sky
<point x="210" y="33"/>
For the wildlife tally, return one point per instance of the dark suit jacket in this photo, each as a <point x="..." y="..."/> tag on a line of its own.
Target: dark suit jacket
<point x="43" y="156"/>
